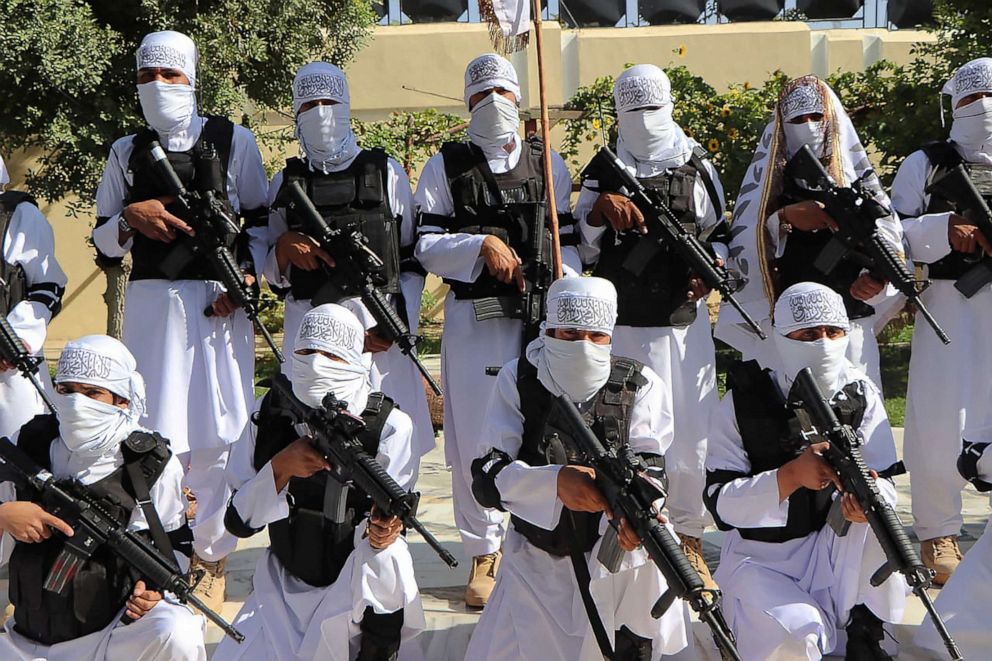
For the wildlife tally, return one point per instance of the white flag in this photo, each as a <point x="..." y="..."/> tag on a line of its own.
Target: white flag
<point x="509" y="23"/>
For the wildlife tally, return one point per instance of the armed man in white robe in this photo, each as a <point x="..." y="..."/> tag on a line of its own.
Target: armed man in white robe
<point x="942" y="193"/>
<point x="790" y="580"/>
<point x="358" y="194"/>
<point x="484" y="230"/>
<point x="96" y="500"/>
<point x="788" y="227"/>
<point x="192" y="277"/>
<point x="554" y="597"/>
<point x="337" y="579"/>
<point x="31" y="288"/>
<point x="663" y="320"/>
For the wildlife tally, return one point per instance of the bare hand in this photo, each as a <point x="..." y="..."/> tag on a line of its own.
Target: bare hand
<point x="224" y="306"/>
<point x="375" y="343"/>
<point x="807" y="216"/>
<point x="7" y="365"/>
<point x="578" y="492"/>
<point x="867" y="287"/>
<point x="618" y="211"/>
<point x="298" y="459"/>
<point x="809" y="470"/>
<point x="383" y="531"/>
<point x="302" y="251"/>
<point x="141" y="600"/>
<point x="151" y="219"/>
<point x="28" y="522"/>
<point x="502" y="261"/>
<point x="697" y="288"/>
<point x="964" y="236"/>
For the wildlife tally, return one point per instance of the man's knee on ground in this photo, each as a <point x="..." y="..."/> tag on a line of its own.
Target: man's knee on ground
<point x="791" y="631"/>
<point x="177" y="633"/>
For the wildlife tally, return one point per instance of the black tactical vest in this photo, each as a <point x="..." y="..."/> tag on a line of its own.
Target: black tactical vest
<point x="148" y="254"/>
<point x="658" y="296"/>
<point x="13" y="282"/>
<point x="354" y="198"/>
<point x="546" y="441"/>
<point x="309" y="545"/>
<point x="801" y="250"/>
<point x="104" y="582"/>
<point x="943" y="157"/>
<point x="503" y="205"/>
<point x="770" y="435"/>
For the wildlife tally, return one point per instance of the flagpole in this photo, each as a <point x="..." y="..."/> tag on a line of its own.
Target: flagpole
<point x="549" y="183"/>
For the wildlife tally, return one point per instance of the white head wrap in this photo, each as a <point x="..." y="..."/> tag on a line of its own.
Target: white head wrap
<point x="801" y="100"/>
<point x="324" y="131"/>
<point x="333" y="329"/>
<point x="970" y="78"/>
<point x="488" y="71"/>
<point x="168" y="50"/>
<point x="100" y="360"/>
<point x="4" y="175"/>
<point x="588" y="304"/>
<point x="808" y="305"/>
<point x="319" y="80"/>
<point x="642" y="85"/>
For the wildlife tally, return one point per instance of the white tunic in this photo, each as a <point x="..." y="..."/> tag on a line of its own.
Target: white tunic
<point x="29" y="242"/>
<point x="470" y="346"/>
<point x="787" y="600"/>
<point x="168" y="632"/>
<point x="286" y="619"/>
<point x="400" y="378"/>
<point x="535" y="611"/>
<point x="683" y="357"/>
<point x="949" y="385"/>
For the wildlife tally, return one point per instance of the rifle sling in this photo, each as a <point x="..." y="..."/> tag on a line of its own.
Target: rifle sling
<point x="582" y="578"/>
<point x="143" y="496"/>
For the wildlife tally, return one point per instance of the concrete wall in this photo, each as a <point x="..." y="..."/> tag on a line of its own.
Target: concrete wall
<point x="432" y="58"/>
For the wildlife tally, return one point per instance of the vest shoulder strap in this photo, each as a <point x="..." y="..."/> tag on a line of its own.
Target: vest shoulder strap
<point x="217" y="131"/>
<point x="376" y="412"/>
<point x="941" y="154"/>
<point x="459" y="158"/>
<point x="11" y="198"/>
<point x="36" y="438"/>
<point x="696" y="160"/>
<point x="149" y="451"/>
<point x="756" y="398"/>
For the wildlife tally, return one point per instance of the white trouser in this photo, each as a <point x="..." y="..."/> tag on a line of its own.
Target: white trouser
<point x="205" y="478"/>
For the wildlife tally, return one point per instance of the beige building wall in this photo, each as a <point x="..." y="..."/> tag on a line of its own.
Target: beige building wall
<point x="412" y="67"/>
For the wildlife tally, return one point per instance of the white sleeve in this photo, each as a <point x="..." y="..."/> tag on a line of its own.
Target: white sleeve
<point x="110" y="196"/>
<point x="571" y="261"/>
<point x="926" y="233"/>
<point x="706" y="214"/>
<point x="255" y="497"/>
<point x="652" y="421"/>
<point x="277" y="227"/>
<point x="247" y="175"/>
<point x="591" y="236"/>
<point x="401" y="201"/>
<point x="396" y="449"/>
<point x="744" y="502"/>
<point x="167" y="497"/>
<point x="879" y="449"/>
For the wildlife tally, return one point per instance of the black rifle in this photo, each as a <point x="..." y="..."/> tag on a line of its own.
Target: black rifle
<point x="333" y="432"/>
<point x="956" y="187"/>
<point x="856" y="212"/>
<point x="92" y="528"/>
<point x="620" y="476"/>
<point x="361" y="268"/>
<point x="14" y="352"/>
<point x="844" y="457"/>
<point x="214" y="229"/>
<point x="664" y="229"/>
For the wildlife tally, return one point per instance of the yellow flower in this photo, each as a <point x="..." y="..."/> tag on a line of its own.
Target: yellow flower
<point x="725" y="111"/>
<point x="713" y="145"/>
<point x="688" y="132"/>
<point x="709" y="107"/>
<point x="747" y="85"/>
<point x="732" y="133"/>
<point x="681" y="50"/>
<point x="596" y="124"/>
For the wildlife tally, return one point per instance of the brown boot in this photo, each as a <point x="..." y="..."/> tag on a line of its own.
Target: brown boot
<point x="942" y="555"/>
<point x="211" y="587"/>
<point x="693" y="549"/>
<point x="482" y="580"/>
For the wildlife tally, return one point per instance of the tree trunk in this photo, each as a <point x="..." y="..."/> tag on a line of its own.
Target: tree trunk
<point x="117" y="276"/>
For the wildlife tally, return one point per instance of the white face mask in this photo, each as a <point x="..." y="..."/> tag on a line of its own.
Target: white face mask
<point x="972" y="125"/>
<point x="648" y="135"/>
<point x="325" y="134"/>
<point x="168" y="108"/>
<point x="575" y="368"/>
<point x="804" y="133"/>
<point x="90" y="427"/>
<point x="825" y="357"/>
<point x="494" y="124"/>
<point x="315" y="375"/>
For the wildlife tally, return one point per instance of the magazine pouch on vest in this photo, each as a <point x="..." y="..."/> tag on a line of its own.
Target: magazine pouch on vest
<point x="355" y="198"/>
<point x="546" y="441"/>
<point x="316" y="539"/>
<point x="943" y="156"/>
<point x="196" y="173"/>
<point x="797" y="262"/>
<point x="504" y="205"/>
<point x="94" y="597"/>
<point x="14" y="283"/>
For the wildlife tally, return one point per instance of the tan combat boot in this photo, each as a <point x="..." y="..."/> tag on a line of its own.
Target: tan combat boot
<point x="211" y="587"/>
<point x="693" y="549"/>
<point x="942" y="555"/>
<point x="482" y="580"/>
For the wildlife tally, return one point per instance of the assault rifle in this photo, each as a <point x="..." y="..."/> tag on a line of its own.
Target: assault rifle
<point x="14" y="352"/>
<point x="844" y="457"/>
<point x="360" y="266"/>
<point x="620" y="475"/>
<point x="92" y="528"/>
<point x="214" y="230"/>
<point x="956" y="187"/>
<point x="664" y="229"/>
<point x="855" y="211"/>
<point x="334" y="433"/>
